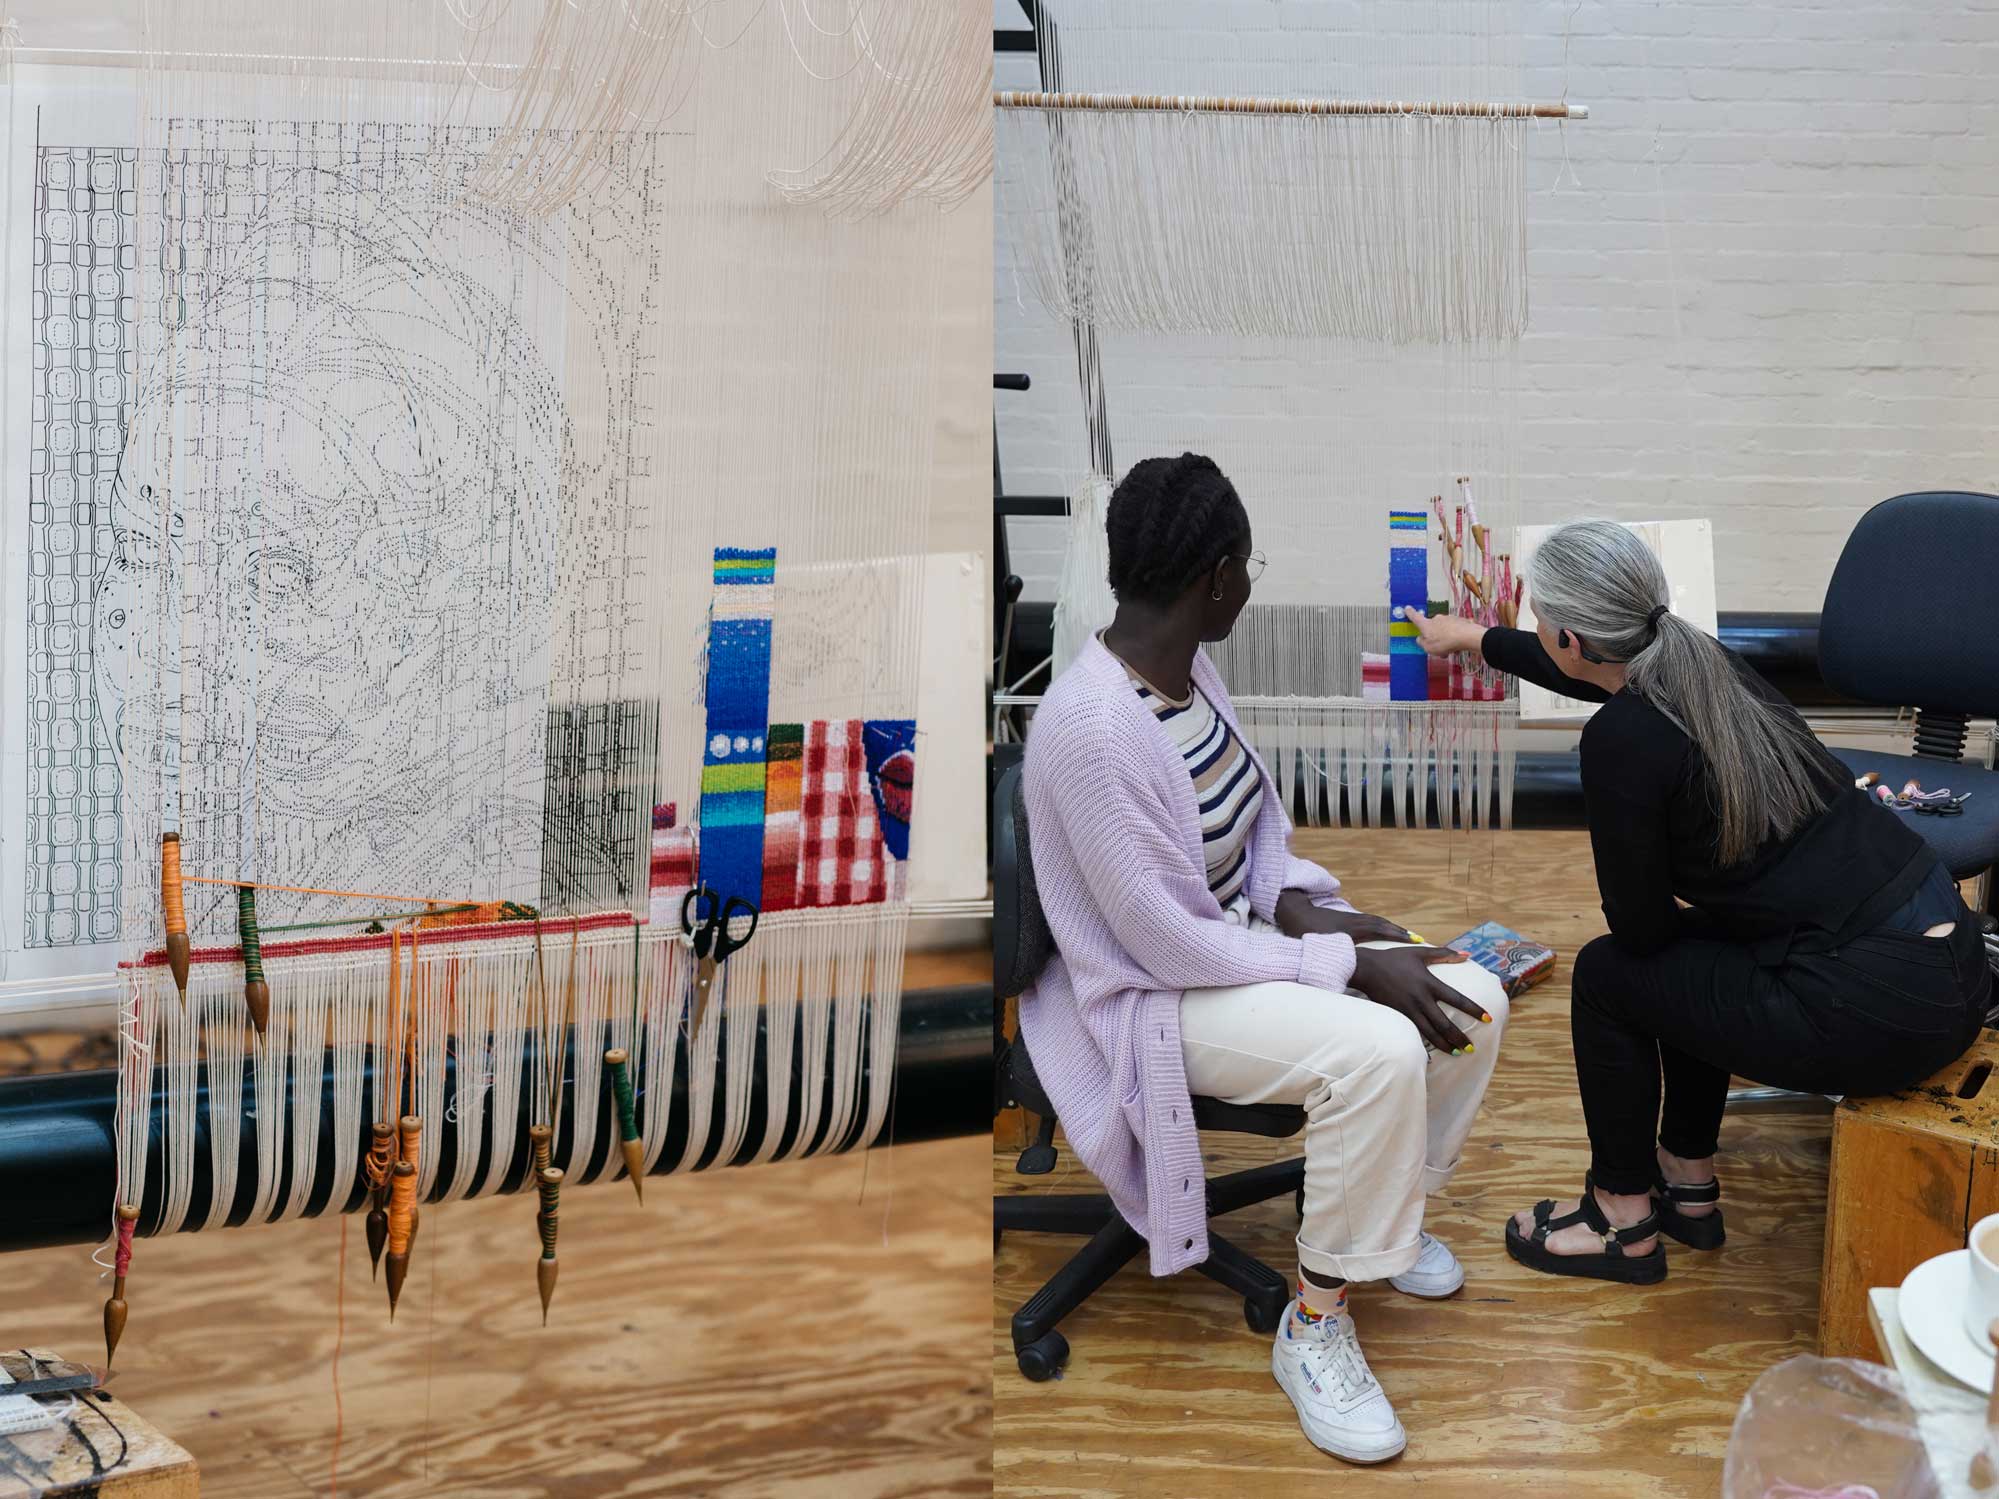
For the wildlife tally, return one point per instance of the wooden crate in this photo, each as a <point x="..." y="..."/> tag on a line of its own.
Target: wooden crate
<point x="1911" y="1172"/>
<point x="103" y="1449"/>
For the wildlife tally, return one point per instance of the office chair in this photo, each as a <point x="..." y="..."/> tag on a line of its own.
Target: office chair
<point x="1911" y="618"/>
<point x="1022" y="946"/>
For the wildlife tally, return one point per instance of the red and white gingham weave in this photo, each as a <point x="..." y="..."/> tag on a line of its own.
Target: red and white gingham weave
<point x="841" y="858"/>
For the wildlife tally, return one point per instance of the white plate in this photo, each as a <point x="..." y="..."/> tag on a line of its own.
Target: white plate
<point x="1931" y="1307"/>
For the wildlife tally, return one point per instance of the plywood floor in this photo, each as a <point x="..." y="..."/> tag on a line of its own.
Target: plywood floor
<point x="1523" y="1384"/>
<point x="801" y="1329"/>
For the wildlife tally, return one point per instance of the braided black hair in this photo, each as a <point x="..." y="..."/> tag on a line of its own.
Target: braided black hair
<point x="1170" y="521"/>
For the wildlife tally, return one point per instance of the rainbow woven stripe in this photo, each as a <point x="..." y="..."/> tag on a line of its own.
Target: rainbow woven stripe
<point x="1408" y="587"/>
<point x="733" y="755"/>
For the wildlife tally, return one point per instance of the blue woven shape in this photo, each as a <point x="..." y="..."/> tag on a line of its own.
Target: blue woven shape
<point x="1408" y="587"/>
<point x="733" y="753"/>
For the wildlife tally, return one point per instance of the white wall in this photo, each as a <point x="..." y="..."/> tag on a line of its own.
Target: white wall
<point x="1768" y="295"/>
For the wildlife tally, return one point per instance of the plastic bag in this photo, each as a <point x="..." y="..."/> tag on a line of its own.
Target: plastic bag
<point x="1827" y="1428"/>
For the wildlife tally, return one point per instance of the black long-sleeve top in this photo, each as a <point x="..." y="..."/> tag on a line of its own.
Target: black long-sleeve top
<point x="1654" y="828"/>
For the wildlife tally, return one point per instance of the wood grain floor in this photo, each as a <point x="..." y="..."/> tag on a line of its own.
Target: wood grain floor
<point x="802" y="1329"/>
<point x="1523" y="1384"/>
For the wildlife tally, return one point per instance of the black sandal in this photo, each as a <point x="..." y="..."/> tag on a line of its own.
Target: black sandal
<point x="1696" y="1233"/>
<point x="1615" y="1263"/>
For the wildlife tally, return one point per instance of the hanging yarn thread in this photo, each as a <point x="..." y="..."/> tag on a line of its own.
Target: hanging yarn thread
<point x="1364" y="258"/>
<point x="480" y="258"/>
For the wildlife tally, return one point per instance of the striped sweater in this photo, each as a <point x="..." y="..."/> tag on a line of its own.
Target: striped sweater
<point x="1226" y="788"/>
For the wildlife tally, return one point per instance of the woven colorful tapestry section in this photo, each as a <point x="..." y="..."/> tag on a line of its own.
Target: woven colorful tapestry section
<point x="732" y="760"/>
<point x="783" y="779"/>
<point x="889" y="745"/>
<point x="672" y="865"/>
<point x="841" y="856"/>
<point x="1408" y="587"/>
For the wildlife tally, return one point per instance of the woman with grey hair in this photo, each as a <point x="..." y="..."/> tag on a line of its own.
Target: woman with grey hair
<point x="1767" y="918"/>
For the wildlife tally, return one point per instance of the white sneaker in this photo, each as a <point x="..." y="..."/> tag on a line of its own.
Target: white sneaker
<point x="1340" y="1403"/>
<point x="1435" y="1273"/>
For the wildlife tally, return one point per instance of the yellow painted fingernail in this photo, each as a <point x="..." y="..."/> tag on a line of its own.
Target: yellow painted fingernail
<point x="1470" y="1047"/>
<point x="1486" y="1018"/>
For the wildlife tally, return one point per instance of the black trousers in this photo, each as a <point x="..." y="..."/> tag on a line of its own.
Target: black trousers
<point x="1881" y="1011"/>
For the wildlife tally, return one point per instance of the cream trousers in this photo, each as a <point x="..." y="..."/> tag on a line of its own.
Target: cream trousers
<point x="1386" y="1117"/>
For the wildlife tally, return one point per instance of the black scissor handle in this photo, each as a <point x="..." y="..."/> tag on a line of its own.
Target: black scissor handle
<point x="699" y="924"/>
<point x="724" y="943"/>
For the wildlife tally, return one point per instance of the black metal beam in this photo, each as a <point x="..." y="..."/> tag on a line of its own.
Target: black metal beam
<point x="58" y="1170"/>
<point x="1013" y="41"/>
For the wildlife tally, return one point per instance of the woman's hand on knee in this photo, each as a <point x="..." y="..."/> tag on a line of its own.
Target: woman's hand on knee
<point x="1296" y="915"/>
<point x="1399" y="978"/>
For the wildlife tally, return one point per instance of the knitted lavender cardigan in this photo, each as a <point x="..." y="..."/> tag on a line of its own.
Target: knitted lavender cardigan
<point x="1116" y="840"/>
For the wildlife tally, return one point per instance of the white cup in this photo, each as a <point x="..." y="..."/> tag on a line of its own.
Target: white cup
<point x="1981" y="1301"/>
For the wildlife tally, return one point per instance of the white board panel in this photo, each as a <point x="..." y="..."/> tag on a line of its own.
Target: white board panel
<point x="947" y="830"/>
<point x="1685" y="548"/>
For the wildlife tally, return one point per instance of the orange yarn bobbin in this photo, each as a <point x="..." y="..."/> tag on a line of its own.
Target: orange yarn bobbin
<point x="402" y="1224"/>
<point x="173" y="905"/>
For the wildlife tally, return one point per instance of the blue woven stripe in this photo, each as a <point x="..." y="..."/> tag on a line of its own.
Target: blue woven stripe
<point x="1408" y="587"/>
<point x="732" y="840"/>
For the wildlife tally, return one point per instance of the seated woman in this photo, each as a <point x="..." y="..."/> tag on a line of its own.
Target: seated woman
<point x="1822" y="946"/>
<point x="1196" y="954"/>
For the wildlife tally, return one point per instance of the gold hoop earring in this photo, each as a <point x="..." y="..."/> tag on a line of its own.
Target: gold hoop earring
<point x="1216" y="595"/>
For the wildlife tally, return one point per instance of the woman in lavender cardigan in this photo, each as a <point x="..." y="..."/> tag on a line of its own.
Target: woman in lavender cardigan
<point x="1197" y="954"/>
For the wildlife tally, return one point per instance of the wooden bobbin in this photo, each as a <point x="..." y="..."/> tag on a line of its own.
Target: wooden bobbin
<point x="402" y="1212"/>
<point x="549" y="1182"/>
<point x="381" y="1153"/>
<point x="115" y="1308"/>
<point x="174" y="911"/>
<point x="256" y="990"/>
<point x="410" y="1129"/>
<point x="619" y="1061"/>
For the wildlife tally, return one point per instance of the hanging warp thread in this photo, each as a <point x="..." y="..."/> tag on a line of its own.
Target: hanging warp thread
<point x="443" y="240"/>
<point x="1359" y="263"/>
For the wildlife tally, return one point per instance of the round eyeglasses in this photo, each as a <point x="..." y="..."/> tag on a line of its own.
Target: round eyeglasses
<point x="1253" y="564"/>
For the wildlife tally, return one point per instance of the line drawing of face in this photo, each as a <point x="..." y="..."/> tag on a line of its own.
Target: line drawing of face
<point x="343" y="483"/>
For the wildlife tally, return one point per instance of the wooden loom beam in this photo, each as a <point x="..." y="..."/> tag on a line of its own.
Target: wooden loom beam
<point x="58" y="1166"/>
<point x="1227" y="104"/>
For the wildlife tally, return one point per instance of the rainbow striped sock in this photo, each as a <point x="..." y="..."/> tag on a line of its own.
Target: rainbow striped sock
<point x="1317" y="1303"/>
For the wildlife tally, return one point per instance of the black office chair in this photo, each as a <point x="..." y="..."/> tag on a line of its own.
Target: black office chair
<point x="1912" y="618"/>
<point x="1022" y="947"/>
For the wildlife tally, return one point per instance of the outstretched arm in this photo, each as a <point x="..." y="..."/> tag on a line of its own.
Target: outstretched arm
<point x="1518" y="653"/>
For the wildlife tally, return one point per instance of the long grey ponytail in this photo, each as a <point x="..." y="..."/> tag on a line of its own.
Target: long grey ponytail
<point x="1597" y="579"/>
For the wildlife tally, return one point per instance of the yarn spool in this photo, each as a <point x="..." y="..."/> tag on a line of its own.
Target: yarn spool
<point x="256" y="993"/>
<point x="628" y="1121"/>
<point x="174" y="907"/>
<point x="381" y="1158"/>
<point x="549" y="1184"/>
<point x="410" y="1127"/>
<point x="115" y="1309"/>
<point x="402" y="1222"/>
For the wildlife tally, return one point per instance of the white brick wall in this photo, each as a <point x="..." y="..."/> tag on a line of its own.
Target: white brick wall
<point x="1772" y="299"/>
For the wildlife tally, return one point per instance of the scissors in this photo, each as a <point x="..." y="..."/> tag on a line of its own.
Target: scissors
<point x="705" y="917"/>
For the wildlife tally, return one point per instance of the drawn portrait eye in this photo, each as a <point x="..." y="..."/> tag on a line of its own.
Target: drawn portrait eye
<point x="282" y="574"/>
<point x="115" y="619"/>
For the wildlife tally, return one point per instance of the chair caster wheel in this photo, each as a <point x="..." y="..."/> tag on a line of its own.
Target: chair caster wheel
<point x="1044" y="1357"/>
<point x="1263" y="1313"/>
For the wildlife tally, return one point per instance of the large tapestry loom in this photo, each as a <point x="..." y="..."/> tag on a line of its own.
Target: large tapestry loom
<point x="1306" y="258"/>
<point x="404" y="452"/>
